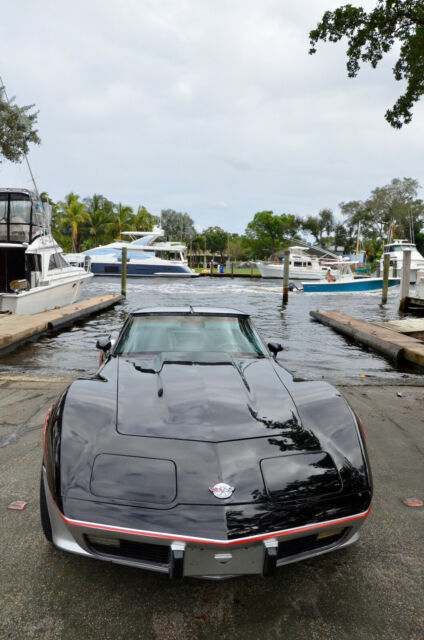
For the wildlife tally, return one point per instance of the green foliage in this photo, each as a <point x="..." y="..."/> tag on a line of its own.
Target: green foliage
<point x="144" y="221"/>
<point x="73" y="214"/>
<point x="124" y="220"/>
<point x="238" y="247"/>
<point x="16" y="129"/>
<point x="177" y="226"/>
<point x="100" y="219"/>
<point x="396" y="201"/>
<point x="97" y="221"/>
<point x="216" y="239"/>
<point x="393" y="23"/>
<point x="317" y="225"/>
<point x="267" y="232"/>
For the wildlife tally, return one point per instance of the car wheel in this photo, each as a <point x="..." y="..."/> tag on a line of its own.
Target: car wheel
<point x="44" y="512"/>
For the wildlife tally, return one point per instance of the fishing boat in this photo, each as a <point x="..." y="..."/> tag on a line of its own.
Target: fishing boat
<point x="145" y="256"/>
<point x="303" y="265"/>
<point x="344" y="281"/>
<point x="34" y="274"/>
<point x="348" y="284"/>
<point x="395" y="249"/>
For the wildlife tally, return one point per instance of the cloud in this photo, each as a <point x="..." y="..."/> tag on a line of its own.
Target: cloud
<point x="184" y="104"/>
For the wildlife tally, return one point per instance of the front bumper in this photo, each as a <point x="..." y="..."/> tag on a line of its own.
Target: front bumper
<point x="202" y="558"/>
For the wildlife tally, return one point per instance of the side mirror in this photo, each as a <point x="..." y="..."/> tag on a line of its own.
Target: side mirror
<point x="104" y="344"/>
<point x="275" y="347"/>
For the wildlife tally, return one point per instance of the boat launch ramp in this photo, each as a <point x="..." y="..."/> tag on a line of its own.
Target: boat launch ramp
<point x="16" y="329"/>
<point x="398" y="340"/>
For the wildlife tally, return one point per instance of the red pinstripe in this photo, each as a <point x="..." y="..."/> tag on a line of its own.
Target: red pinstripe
<point x="171" y="536"/>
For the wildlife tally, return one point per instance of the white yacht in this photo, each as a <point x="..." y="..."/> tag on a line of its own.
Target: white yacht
<point x="34" y="275"/>
<point x="303" y="265"/>
<point x="395" y="249"/>
<point x="145" y="256"/>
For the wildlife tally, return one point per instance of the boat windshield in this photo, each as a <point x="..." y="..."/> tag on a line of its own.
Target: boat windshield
<point x="398" y="247"/>
<point x="152" y="334"/>
<point x="20" y="220"/>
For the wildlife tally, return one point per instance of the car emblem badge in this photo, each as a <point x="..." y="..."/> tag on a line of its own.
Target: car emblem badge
<point x="222" y="490"/>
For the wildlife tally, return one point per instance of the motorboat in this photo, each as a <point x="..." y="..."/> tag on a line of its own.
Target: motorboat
<point x="395" y="249"/>
<point x="344" y="281"/>
<point x="348" y="284"/>
<point x="303" y="265"/>
<point x="145" y="256"/>
<point x="34" y="274"/>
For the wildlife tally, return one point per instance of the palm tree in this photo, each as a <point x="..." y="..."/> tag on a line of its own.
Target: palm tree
<point x="73" y="213"/>
<point x="143" y="219"/>
<point x="100" y="218"/>
<point x="124" y="219"/>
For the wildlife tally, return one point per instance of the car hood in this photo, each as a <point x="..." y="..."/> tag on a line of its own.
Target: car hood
<point x="184" y="396"/>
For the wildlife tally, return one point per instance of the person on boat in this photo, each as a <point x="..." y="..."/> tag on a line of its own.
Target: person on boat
<point x="329" y="277"/>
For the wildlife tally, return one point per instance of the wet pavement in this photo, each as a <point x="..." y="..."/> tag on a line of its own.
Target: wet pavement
<point x="368" y="591"/>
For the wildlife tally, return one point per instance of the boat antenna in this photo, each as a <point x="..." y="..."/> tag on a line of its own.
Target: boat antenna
<point x="3" y="88"/>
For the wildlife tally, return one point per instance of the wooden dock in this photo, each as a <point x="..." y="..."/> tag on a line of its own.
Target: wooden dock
<point x="383" y="337"/>
<point x="16" y="329"/>
<point x="230" y="275"/>
<point x="413" y="304"/>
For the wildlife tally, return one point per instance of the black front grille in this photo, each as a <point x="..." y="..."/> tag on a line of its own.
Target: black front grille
<point x="308" y="543"/>
<point x="154" y="553"/>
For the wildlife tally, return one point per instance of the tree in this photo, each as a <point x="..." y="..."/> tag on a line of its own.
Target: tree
<point x="238" y="247"/>
<point x="124" y="219"/>
<point x="316" y="225"/>
<point x="267" y="232"/>
<point x="144" y="220"/>
<point x="72" y="214"/>
<point x="342" y="238"/>
<point x="396" y="202"/>
<point x="371" y="35"/>
<point x="177" y="226"/>
<point x="16" y="128"/>
<point x="100" y="218"/>
<point x="216" y="239"/>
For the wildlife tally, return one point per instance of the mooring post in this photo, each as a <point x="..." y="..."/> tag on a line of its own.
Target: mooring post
<point x="232" y="269"/>
<point x="286" y="276"/>
<point x="404" y="286"/>
<point x="251" y="269"/>
<point x="386" y="267"/>
<point x="124" y="271"/>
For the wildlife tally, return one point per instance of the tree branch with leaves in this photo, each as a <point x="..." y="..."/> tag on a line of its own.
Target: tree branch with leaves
<point x="373" y="34"/>
<point x="17" y="128"/>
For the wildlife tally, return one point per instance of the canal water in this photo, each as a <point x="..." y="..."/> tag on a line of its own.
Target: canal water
<point x="311" y="350"/>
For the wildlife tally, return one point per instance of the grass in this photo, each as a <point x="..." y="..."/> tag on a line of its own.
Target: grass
<point x="237" y="271"/>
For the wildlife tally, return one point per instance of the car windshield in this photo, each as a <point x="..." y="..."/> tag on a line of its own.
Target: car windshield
<point x="147" y="334"/>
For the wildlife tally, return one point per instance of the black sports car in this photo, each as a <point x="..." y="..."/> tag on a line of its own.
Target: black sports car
<point x="194" y="453"/>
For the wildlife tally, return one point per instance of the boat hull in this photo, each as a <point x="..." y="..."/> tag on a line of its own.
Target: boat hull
<point x="295" y="273"/>
<point x="41" y="299"/>
<point x="362" y="284"/>
<point x="142" y="270"/>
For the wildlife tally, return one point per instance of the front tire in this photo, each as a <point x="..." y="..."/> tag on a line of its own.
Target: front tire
<point x="44" y="512"/>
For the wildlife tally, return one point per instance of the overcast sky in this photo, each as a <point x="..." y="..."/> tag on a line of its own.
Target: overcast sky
<point x="211" y="107"/>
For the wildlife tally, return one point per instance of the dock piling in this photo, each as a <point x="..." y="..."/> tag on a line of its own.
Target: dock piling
<point x="124" y="272"/>
<point x="386" y="267"/>
<point x="286" y="276"/>
<point x="404" y="286"/>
